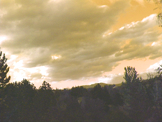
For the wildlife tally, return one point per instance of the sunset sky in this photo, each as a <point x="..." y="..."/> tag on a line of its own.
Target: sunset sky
<point x="79" y="42"/>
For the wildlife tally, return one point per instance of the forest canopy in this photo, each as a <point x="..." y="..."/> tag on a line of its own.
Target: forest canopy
<point x="134" y="100"/>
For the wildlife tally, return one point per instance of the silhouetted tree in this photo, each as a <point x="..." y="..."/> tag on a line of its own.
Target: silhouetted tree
<point x="96" y="92"/>
<point x="136" y="102"/>
<point x="159" y="69"/>
<point x="159" y="15"/>
<point x="130" y="75"/>
<point x="3" y="70"/>
<point x="3" y="81"/>
<point x="94" y="109"/>
<point x="117" y="98"/>
<point x="78" y="91"/>
<point x="20" y="101"/>
<point x="45" y="86"/>
<point x="44" y="101"/>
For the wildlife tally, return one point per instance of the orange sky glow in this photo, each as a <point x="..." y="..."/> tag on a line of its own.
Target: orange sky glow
<point x="71" y="43"/>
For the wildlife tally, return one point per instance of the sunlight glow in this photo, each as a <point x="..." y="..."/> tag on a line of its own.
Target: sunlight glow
<point x="19" y="75"/>
<point x="153" y="43"/>
<point x="104" y="79"/>
<point x="151" y="17"/>
<point x="18" y="64"/>
<point x="55" y="57"/>
<point x="121" y="28"/>
<point x="43" y="70"/>
<point x="3" y="38"/>
<point x="107" y="34"/>
<point x="19" y="72"/>
<point x="103" y="6"/>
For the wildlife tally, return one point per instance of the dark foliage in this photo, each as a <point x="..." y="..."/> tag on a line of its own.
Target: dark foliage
<point x="4" y="80"/>
<point x="136" y="100"/>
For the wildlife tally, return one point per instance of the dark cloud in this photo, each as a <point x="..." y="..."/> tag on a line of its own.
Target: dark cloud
<point x="74" y="31"/>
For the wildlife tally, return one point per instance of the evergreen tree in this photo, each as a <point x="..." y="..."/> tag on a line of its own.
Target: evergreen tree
<point x="3" y="81"/>
<point x="3" y="71"/>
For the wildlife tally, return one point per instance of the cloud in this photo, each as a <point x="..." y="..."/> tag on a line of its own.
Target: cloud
<point x="153" y="67"/>
<point x="117" y="79"/>
<point x="136" y="39"/>
<point x="73" y="30"/>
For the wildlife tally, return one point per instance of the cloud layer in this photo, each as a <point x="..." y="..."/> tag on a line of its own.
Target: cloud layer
<point x="71" y="38"/>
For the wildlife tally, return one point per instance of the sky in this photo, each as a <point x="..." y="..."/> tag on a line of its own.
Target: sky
<point x="70" y="43"/>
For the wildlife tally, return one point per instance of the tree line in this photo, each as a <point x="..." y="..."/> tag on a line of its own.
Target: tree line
<point x="135" y="100"/>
